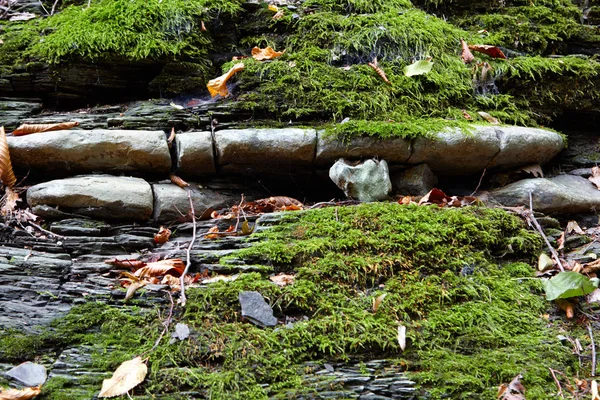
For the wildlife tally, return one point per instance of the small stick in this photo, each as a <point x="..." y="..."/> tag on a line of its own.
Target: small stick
<point x="53" y="7"/>
<point x="166" y="323"/>
<point x="541" y="231"/>
<point x="188" y="263"/>
<point x="479" y="184"/>
<point x="44" y="8"/>
<point x="589" y="328"/>
<point x="557" y="383"/>
<point x="46" y="231"/>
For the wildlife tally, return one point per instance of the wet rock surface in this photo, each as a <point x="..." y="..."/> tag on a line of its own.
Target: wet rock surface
<point x="366" y="181"/>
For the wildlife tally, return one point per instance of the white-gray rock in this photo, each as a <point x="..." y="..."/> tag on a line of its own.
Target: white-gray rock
<point x="171" y="202"/>
<point x="563" y="194"/>
<point x="366" y="181"/>
<point x="415" y="181"/>
<point x="195" y="154"/>
<point x="92" y="151"/>
<point x="256" y="309"/>
<point x="29" y="374"/>
<point x="97" y="196"/>
<point x="270" y="150"/>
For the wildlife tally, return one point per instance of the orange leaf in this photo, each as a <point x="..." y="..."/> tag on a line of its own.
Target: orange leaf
<point x="178" y="181"/>
<point x="26" y="129"/>
<point x="129" y="374"/>
<point x="379" y="71"/>
<point x="435" y="196"/>
<point x="6" y="172"/>
<point x="466" y="115"/>
<point x="218" y="86"/>
<point x="265" y="54"/>
<point x="174" y="266"/>
<point x="491" y="51"/>
<point x="466" y="54"/>
<point x="16" y="394"/>
<point x="162" y="236"/>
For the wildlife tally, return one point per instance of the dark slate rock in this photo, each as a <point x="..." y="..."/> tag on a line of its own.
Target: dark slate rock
<point x="256" y="309"/>
<point x="29" y="374"/>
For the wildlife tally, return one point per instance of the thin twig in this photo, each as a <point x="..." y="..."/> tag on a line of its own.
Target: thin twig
<point x="166" y="323"/>
<point x="560" y="393"/>
<point x="479" y="184"/>
<point x="237" y="222"/>
<point x="45" y="231"/>
<point x="44" y="8"/>
<point x="541" y="231"/>
<point x="183" y="299"/>
<point x="593" y="350"/>
<point x="53" y="7"/>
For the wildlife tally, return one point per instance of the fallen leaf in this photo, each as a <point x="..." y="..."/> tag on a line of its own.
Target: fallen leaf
<point x="24" y="16"/>
<point x="273" y="7"/>
<point x="513" y="391"/>
<point x="491" y="51"/>
<point x="418" y="68"/>
<point x="561" y="241"/>
<point x="178" y="181"/>
<point x="129" y="374"/>
<point x="591" y="267"/>
<point x="131" y="289"/>
<point x="568" y="284"/>
<point x="246" y="230"/>
<point x="6" y="172"/>
<point x="9" y="201"/>
<point x="402" y="337"/>
<point x="435" y="196"/>
<point x="162" y="236"/>
<point x="379" y="71"/>
<point x="278" y="15"/>
<point x="176" y="106"/>
<point x="567" y="306"/>
<point x="466" y="54"/>
<point x="19" y="394"/>
<point x="218" y="86"/>
<point x="282" y="279"/>
<point x="467" y="116"/>
<point x="488" y="118"/>
<point x="533" y="169"/>
<point x="131" y="264"/>
<point x="544" y="262"/>
<point x="163" y="267"/>
<point x="595" y="178"/>
<point x="202" y="26"/>
<point x="236" y="58"/>
<point x="265" y="54"/>
<point x="573" y="226"/>
<point x="27" y="129"/>
<point x="377" y="301"/>
<point x="594" y="391"/>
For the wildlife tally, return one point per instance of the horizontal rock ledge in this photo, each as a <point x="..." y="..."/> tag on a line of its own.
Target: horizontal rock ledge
<point x="97" y="150"/>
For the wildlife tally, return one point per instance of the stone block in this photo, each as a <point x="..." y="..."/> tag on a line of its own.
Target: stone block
<point x="195" y="154"/>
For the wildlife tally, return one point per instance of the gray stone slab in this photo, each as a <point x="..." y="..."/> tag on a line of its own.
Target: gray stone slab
<point x="96" y="196"/>
<point x="97" y="150"/>
<point x="256" y="309"/>
<point x="29" y="374"/>
<point x="195" y="154"/>
<point x="329" y="149"/>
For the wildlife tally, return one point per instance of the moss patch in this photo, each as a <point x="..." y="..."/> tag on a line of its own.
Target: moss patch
<point x="472" y="323"/>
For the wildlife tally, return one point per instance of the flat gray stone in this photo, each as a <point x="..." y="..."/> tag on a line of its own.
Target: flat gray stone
<point x="97" y="150"/>
<point x="171" y="202"/>
<point x="366" y="181"/>
<point x="256" y="309"/>
<point x="415" y="181"/>
<point x="96" y="196"/>
<point x="330" y="149"/>
<point x="563" y="194"/>
<point x="520" y="146"/>
<point x="195" y="154"/>
<point x="29" y="374"/>
<point x="268" y="149"/>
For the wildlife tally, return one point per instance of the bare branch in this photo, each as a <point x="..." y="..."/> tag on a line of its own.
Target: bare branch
<point x="188" y="263"/>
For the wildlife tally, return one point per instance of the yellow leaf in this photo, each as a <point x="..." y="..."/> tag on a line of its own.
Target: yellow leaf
<point x="219" y="85"/>
<point x="129" y="374"/>
<point x="23" y="394"/>
<point x="265" y="54"/>
<point x="273" y="8"/>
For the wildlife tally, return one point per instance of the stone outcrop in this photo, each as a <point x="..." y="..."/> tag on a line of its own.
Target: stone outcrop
<point x="97" y="196"/>
<point x="195" y="155"/>
<point x="366" y="181"/>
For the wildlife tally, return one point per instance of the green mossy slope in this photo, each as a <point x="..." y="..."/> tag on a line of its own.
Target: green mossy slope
<point x="471" y="323"/>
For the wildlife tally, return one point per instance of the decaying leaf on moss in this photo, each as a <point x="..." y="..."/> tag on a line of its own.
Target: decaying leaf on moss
<point x="488" y="118"/>
<point x="265" y="54"/>
<point x="27" y="129"/>
<point x="491" y="51"/>
<point x="129" y="374"/>
<point x="513" y="391"/>
<point x="379" y="71"/>
<point x="19" y="394"/>
<point x="466" y="54"/>
<point x="218" y="86"/>
<point x="419" y="67"/>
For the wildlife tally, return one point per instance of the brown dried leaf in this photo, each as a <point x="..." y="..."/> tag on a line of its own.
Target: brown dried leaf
<point x="282" y="279"/>
<point x="9" y="202"/>
<point x="491" y="51"/>
<point x="6" y="172"/>
<point x="533" y="169"/>
<point x="178" y="181"/>
<point x="379" y="71"/>
<point x="162" y="236"/>
<point x="265" y="54"/>
<point x="218" y="86"/>
<point x="561" y="241"/>
<point x="466" y="54"/>
<point x="131" y="289"/>
<point x="27" y="129"/>
<point x="129" y="374"/>
<point x="574" y="226"/>
<point x="278" y="15"/>
<point x="202" y="26"/>
<point x="435" y="196"/>
<point x="377" y="301"/>
<point x="467" y="116"/>
<point x="591" y="267"/>
<point x="131" y="264"/>
<point x="595" y="178"/>
<point x="488" y="118"/>
<point x="22" y="394"/>
<point x="173" y="266"/>
<point x="513" y="391"/>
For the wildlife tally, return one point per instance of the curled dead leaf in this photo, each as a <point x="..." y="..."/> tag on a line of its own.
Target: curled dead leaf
<point x="573" y="226"/>
<point x="377" y="301"/>
<point x="178" y="181"/>
<point x="218" y="86"/>
<point x="533" y="169"/>
<point x="282" y="279"/>
<point x="173" y="266"/>
<point x="379" y="71"/>
<point x="6" y="172"/>
<point x="129" y="374"/>
<point x="265" y="54"/>
<point x="466" y="54"/>
<point x="27" y="129"/>
<point x="491" y="51"/>
<point x="513" y="391"/>
<point x="595" y="178"/>
<point x="488" y="118"/>
<point x="130" y="264"/>
<point x="162" y="236"/>
<point x="19" y="394"/>
<point x="133" y="287"/>
<point x="9" y="201"/>
<point x="466" y="115"/>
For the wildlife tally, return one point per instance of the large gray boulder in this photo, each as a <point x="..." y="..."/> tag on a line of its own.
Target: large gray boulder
<point x="96" y="196"/>
<point x="329" y="149"/>
<point x="98" y="150"/>
<point x="195" y="156"/>
<point x="171" y="202"/>
<point x="563" y="194"/>
<point x="266" y="150"/>
<point x="366" y="181"/>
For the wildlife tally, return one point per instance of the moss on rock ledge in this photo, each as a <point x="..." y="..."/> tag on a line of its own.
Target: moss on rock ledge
<point x="474" y="320"/>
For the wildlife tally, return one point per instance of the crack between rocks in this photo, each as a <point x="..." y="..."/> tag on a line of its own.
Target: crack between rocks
<point x="500" y="136"/>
